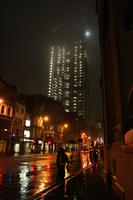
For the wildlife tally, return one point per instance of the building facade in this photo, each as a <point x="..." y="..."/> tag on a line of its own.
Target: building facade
<point x="46" y="117"/>
<point x="67" y="76"/>
<point x="18" y="124"/>
<point x="8" y="95"/>
<point x="116" y="41"/>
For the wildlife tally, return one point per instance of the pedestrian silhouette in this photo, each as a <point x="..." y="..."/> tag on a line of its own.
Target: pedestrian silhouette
<point x="95" y="155"/>
<point x="61" y="161"/>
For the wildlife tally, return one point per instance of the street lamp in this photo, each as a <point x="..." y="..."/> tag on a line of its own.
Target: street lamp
<point x="62" y="128"/>
<point x="46" y="118"/>
<point x="65" y="125"/>
<point x="89" y="138"/>
<point x="1" y="100"/>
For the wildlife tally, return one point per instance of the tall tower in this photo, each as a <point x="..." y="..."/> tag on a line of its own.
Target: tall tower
<point x="67" y="76"/>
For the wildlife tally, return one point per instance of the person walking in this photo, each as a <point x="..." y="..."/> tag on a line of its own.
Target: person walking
<point x="95" y="155"/>
<point x="61" y="161"/>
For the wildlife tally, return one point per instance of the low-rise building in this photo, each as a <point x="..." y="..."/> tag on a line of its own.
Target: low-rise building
<point x="46" y="115"/>
<point x="8" y="94"/>
<point x="18" y="123"/>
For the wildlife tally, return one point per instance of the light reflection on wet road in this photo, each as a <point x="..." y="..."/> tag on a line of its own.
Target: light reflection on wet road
<point x="24" y="176"/>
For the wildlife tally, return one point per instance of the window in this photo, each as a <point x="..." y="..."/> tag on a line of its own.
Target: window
<point x="16" y="121"/>
<point x="22" y="110"/>
<point x="2" y="109"/>
<point x="67" y="85"/>
<point x="67" y="103"/>
<point x="27" y="123"/>
<point x="9" y="111"/>
<point x="67" y="76"/>
<point x="26" y="133"/>
<point x="67" y="94"/>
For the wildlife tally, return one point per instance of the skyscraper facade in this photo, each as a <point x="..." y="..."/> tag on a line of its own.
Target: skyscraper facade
<point x="67" y="76"/>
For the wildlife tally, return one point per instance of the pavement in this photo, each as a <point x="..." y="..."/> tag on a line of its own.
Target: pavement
<point x="85" y="184"/>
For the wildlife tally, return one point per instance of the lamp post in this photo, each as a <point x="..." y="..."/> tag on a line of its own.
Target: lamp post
<point x="63" y="127"/>
<point x="46" y="118"/>
<point x="47" y="142"/>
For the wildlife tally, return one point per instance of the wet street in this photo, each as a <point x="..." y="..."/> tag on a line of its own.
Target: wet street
<point x="23" y="177"/>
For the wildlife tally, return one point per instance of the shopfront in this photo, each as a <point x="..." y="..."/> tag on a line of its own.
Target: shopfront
<point x="3" y="146"/>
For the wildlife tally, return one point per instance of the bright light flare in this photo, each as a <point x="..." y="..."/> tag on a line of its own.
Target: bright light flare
<point x="46" y="118"/>
<point x="65" y="125"/>
<point x="87" y="33"/>
<point x="1" y="100"/>
<point x="89" y="138"/>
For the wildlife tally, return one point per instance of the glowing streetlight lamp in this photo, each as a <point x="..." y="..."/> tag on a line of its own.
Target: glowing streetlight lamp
<point x="46" y="118"/>
<point x="89" y="138"/>
<point x="65" y="125"/>
<point x="62" y="128"/>
<point x="1" y="100"/>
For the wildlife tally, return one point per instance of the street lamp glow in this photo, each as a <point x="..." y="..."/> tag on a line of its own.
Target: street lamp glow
<point x="87" y="33"/>
<point x="46" y="118"/>
<point x="89" y="138"/>
<point x="65" y="125"/>
<point x="1" y="100"/>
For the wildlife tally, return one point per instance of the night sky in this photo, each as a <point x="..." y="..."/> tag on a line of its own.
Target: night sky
<point x="29" y="28"/>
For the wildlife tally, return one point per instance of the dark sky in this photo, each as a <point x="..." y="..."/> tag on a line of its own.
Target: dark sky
<point x="29" y="27"/>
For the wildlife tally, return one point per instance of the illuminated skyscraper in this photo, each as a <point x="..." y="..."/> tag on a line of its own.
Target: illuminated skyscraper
<point x="67" y="76"/>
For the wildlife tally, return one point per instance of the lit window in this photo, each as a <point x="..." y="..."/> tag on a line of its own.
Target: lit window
<point x="26" y="133"/>
<point x="67" y="94"/>
<point x="67" y="85"/>
<point x="67" y="103"/>
<point x="27" y="123"/>
<point x="67" y="76"/>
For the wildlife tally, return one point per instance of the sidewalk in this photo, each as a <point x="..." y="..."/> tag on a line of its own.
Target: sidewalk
<point x="86" y="185"/>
